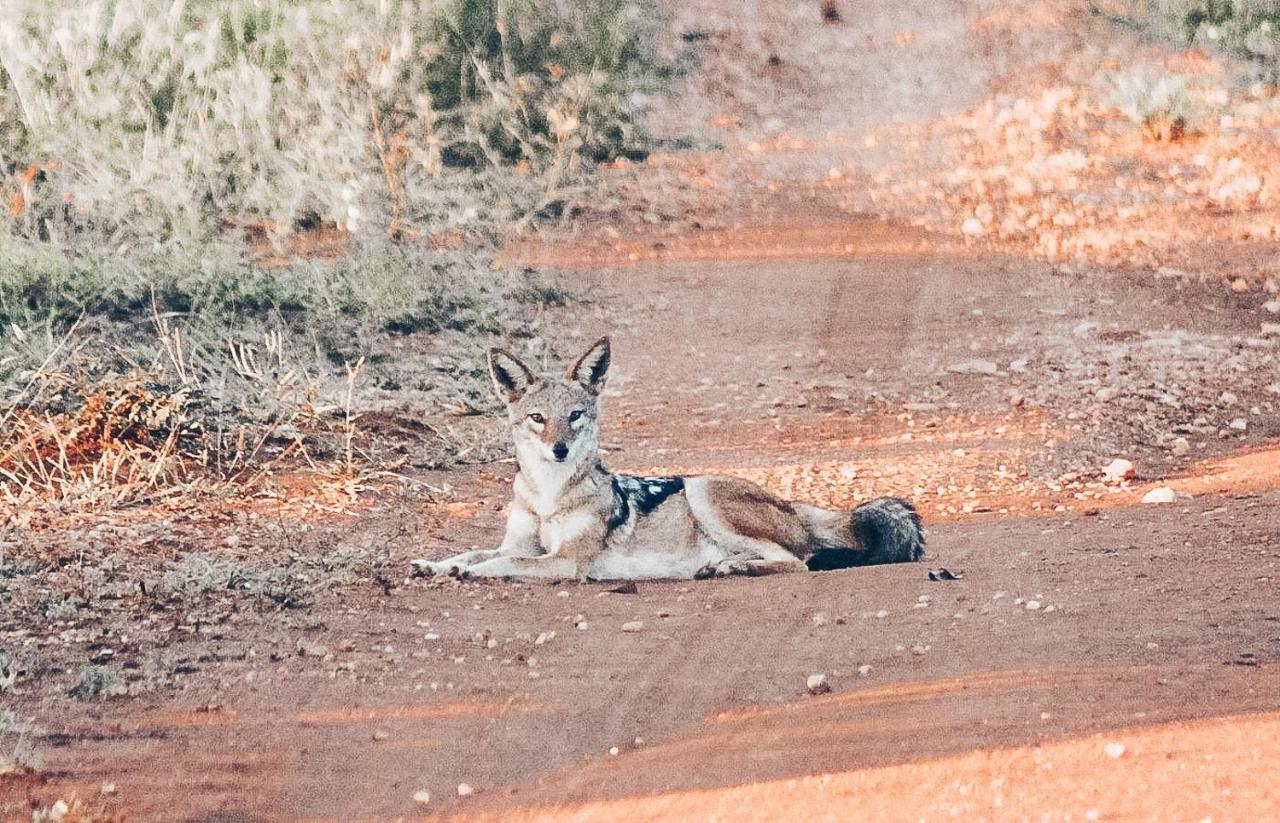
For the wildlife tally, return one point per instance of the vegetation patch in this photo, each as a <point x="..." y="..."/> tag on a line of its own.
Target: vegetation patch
<point x="135" y="126"/>
<point x="231" y="229"/>
<point x="133" y="379"/>
<point x="1246" y="29"/>
<point x="18" y="748"/>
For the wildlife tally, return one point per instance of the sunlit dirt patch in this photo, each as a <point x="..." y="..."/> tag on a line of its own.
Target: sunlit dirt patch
<point x="1065" y="177"/>
<point x="301" y="496"/>
<point x="1048" y="164"/>
<point x="947" y="467"/>
<point x="218" y="716"/>
<point x="1023" y="680"/>
<point x="846" y="237"/>
<point x="1250" y="471"/>
<point x="1214" y="769"/>
<point x="1034" y="15"/>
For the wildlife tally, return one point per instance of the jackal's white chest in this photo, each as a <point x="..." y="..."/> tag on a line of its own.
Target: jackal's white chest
<point x="543" y="487"/>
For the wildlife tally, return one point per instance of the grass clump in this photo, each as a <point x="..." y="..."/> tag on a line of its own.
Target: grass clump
<point x="291" y="583"/>
<point x="396" y="288"/>
<point x="96" y="683"/>
<point x="18" y="751"/>
<point x="128" y="380"/>
<point x="1160" y="108"/>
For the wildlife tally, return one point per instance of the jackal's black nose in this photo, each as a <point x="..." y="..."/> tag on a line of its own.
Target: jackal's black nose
<point x="560" y="451"/>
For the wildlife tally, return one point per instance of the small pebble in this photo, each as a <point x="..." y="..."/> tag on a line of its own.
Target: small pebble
<point x="1117" y="470"/>
<point x="817" y="684"/>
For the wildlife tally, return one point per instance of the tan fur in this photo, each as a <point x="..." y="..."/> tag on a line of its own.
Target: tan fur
<point x="564" y="499"/>
<point x="750" y="511"/>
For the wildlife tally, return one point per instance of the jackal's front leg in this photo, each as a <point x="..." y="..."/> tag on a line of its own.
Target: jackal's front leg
<point x="573" y="541"/>
<point x="546" y="567"/>
<point x="521" y="540"/>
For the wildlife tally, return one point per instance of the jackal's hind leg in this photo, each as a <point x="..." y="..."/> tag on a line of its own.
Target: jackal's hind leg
<point x="754" y="558"/>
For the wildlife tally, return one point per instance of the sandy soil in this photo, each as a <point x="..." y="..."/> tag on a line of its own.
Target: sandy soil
<point x="1098" y="658"/>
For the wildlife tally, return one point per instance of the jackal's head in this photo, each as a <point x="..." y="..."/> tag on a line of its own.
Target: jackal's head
<point x="553" y="419"/>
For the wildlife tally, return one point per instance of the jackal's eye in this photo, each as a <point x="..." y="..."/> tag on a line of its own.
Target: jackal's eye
<point x="537" y="418"/>
<point x="574" y="415"/>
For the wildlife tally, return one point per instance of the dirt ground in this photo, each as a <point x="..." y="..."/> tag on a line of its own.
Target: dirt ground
<point x="1097" y="658"/>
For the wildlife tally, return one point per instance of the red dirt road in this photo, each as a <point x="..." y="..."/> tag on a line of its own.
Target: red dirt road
<point x="1098" y="658"/>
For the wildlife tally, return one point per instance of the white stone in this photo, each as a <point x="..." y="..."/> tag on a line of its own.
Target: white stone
<point x="817" y="684"/>
<point x="974" y="367"/>
<point x="1160" y="494"/>
<point x="1117" y="470"/>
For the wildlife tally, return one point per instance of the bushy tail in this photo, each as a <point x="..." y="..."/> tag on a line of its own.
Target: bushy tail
<point x="884" y="530"/>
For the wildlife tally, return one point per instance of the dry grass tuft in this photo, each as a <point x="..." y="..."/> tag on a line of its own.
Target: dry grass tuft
<point x="111" y="440"/>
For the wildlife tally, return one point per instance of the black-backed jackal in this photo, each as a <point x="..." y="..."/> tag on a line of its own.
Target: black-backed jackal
<point x="572" y="517"/>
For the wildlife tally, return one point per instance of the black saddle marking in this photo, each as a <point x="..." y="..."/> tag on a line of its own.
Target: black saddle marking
<point x="641" y="494"/>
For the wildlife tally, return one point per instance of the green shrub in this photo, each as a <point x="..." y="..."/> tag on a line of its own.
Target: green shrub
<point x="1244" y="28"/>
<point x="1248" y="29"/>
<point x="1161" y="108"/>
<point x="133" y="124"/>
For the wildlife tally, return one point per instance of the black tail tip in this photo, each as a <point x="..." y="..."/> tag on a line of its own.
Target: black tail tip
<point x="885" y="530"/>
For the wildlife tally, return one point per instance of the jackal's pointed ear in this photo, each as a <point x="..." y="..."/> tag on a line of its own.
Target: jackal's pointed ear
<point x="511" y="378"/>
<point x="590" y="368"/>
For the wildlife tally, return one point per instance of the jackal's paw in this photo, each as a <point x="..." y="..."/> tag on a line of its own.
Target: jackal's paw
<point x="722" y="568"/>
<point x="435" y="568"/>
